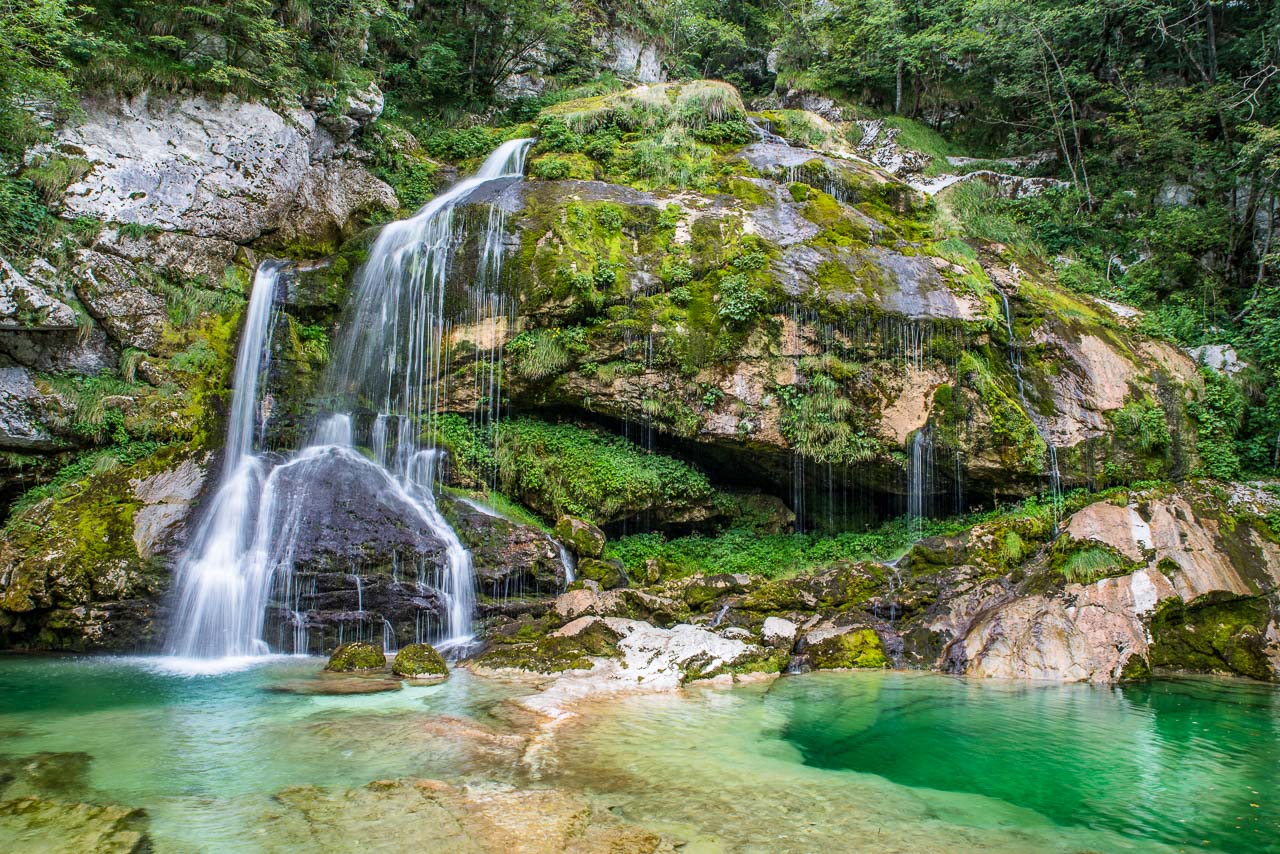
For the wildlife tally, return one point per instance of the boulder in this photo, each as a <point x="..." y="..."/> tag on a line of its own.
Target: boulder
<point x="356" y="656"/>
<point x="583" y="538"/>
<point x="108" y="287"/>
<point x="779" y="632"/>
<point x="832" y="647"/>
<point x="420" y="661"/>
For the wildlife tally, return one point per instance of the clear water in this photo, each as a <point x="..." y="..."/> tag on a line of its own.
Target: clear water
<point x="822" y="762"/>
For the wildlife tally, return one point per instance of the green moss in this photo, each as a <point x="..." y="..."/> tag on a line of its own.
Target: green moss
<point x="1216" y="633"/>
<point x="583" y="538"/>
<point x="418" y="661"/>
<point x="551" y="654"/>
<point x="859" y="648"/>
<point x="356" y="656"/>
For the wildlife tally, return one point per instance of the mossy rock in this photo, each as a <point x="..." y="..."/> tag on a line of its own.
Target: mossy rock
<point x="1216" y="633"/>
<point x="356" y="656"/>
<point x="554" y="654"/>
<point x="608" y="574"/>
<point x="860" y="648"/>
<point x="1136" y="669"/>
<point x="583" y="538"/>
<point x="420" y="661"/>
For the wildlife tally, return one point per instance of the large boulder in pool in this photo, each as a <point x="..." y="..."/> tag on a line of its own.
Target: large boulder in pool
<point x="356" y="656"/>
<point x="357" y="516"/>
<point x="420" y="661"/>
<point x="365" y="553"/>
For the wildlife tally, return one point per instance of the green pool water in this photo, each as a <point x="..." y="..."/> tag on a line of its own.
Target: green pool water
<point x="822" y="762"/>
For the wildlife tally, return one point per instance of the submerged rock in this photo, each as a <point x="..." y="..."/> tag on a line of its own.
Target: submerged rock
<point x="420" y="661"/>
<point x="335" y="684"/>
<point x="37" y="826"/>
<point x="356" y="656"/>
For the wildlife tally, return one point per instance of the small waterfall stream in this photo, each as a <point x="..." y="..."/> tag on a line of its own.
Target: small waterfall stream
<point x="1015" y="362"/>
<point x="389" y="361"/>
<point x="219" y="606"/>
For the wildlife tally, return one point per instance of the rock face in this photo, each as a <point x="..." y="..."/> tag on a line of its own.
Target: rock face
<point x="363" y="555"/>
<point x="1200" y="565"/>
<point x="220" y="169"/>
<point x="861" y="311"/>
<point x="27" y="306"/>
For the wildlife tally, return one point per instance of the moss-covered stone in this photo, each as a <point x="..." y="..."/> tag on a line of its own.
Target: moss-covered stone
<point x="583" y="538"/>
<point x="420" y="661"/>
<point x="855" y="648"/>
<point x="1216" y="633"/>
<point x="608" y="574"/>
<point x="554" y="653"/>
<point x="356" y="656"/>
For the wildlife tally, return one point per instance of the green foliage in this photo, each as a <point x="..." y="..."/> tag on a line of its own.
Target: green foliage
<point x="83" y="466"/>
<point x="1219" y="413"/>
<point x="1142" y="425"/>
<point x="461" y="143"/>
<point x="540" y="353"/>
<point x="22" y="216"/>
<point x="1090" y="564"/>
<point x="767" y="555"/>
<point x="35" y="39"/>
<point x="740" y="301"/>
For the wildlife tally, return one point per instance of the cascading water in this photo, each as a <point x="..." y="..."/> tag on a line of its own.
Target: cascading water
<point x="219" y="609"/>
<point x="920" y="481"/>
<point x="392" y="360"/>
<point x="389" y="361"/>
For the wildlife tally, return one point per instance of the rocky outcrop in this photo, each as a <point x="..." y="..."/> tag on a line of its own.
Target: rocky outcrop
<point x="220" y="169"/>
<point x="89" y="570"/>
<point x="1216" y="561"/>
<point x="25" y="305"/>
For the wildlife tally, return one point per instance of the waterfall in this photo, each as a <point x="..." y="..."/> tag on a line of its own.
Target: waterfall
<point x="218" y="606"/>
<point x="920" y="481"/>
<point x="569" y="564"/>
<point x="389" y="360"/>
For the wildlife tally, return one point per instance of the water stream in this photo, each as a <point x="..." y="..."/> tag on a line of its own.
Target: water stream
<point x="388" y="362"/>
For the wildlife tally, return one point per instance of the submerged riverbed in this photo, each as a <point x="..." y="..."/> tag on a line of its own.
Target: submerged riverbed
<point x="835" y="761"/>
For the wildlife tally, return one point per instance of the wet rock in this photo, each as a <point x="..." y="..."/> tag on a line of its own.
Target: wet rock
<point x="356" y="656"/>
<point x="1216" y="633"/>
<point x="43" y="774"/>
<point x="476" y="819"/>
<point x="511" y="560"/>
<point x="334" y="684"/>
<point x="574" y="647"/>
<point x="420" y="661"/>
<point x="585" y="539"/>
